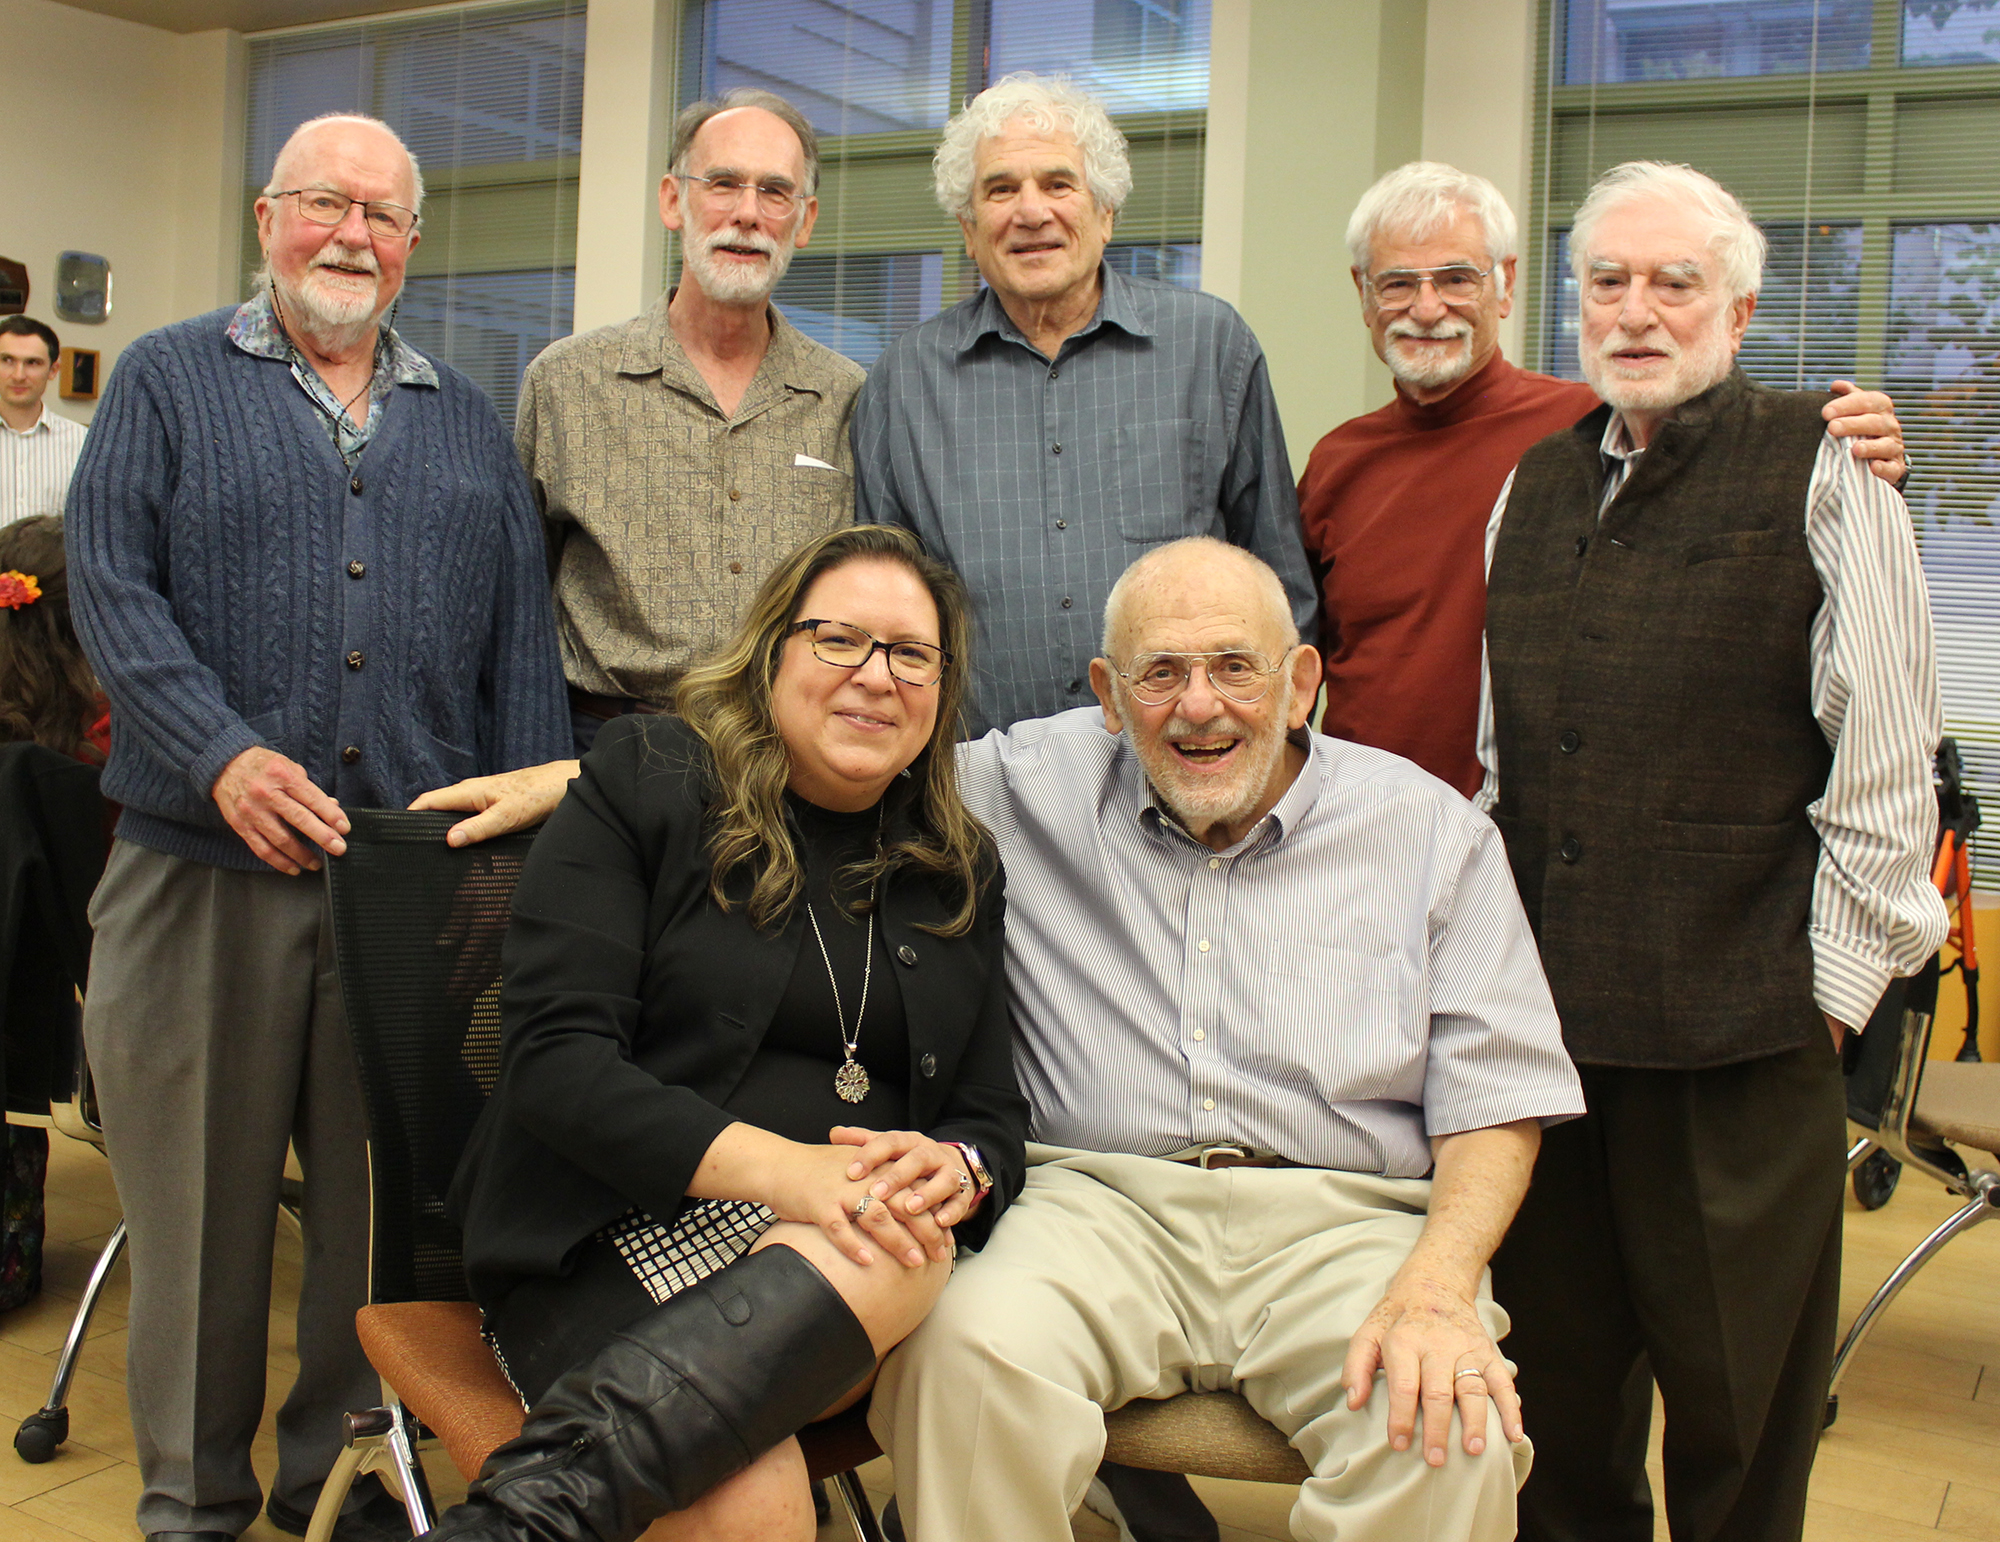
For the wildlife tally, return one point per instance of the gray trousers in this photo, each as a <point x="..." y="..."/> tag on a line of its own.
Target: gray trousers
<point x="215" y="1033"/>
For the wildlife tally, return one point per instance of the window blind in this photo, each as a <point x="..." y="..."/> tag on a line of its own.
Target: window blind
<point x="878" y="78"/>
<point x="1862" y="136"/>
<point x="489" y="98"/>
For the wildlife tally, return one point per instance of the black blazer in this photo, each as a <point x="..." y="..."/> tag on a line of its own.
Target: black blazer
<point x="632" y="1006"/>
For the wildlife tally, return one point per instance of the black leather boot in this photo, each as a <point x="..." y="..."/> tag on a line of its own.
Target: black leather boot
<point x="687" y="1396"/>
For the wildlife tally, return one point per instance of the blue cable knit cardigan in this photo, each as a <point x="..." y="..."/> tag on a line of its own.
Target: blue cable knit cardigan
<point x="235" y="584"/>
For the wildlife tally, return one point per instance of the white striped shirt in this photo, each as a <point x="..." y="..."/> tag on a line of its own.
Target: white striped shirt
<point x="1875" y="913"/>
<point x="35" y="466"/>
<point x="1353" y="977"/>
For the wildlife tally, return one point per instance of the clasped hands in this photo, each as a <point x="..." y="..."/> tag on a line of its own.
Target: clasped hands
<point x="899" y="1189"/>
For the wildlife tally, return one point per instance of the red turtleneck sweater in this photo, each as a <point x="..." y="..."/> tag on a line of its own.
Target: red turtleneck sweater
<point x="1395" y="505"/>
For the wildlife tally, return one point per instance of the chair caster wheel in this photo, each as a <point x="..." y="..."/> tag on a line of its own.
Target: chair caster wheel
<point x="40" y="1434"/>
<point x="1875" y="1179"/>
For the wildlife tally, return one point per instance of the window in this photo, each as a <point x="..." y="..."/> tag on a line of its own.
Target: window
<point x="489" y="99"/>
<point x="1861" y="134"/>
<point x="878" y="79"/>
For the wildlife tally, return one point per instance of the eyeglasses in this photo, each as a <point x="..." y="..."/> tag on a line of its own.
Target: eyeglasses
<point x="323" y="206"/>
<point x="1243" y="676"/>
<point x="1396" y="289"/>
<point x="774" y="199"/>
<point x="848" y="647"/>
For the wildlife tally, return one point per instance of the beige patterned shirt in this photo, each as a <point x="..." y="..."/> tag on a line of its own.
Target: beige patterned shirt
<point x="663" y="515"/>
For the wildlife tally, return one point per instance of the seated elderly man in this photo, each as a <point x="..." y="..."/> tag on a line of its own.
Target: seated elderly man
<point x="1289" y="1050"/>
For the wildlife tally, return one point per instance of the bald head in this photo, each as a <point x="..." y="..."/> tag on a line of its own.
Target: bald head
<point x="1192" y="577"/>
<point x="345" y="136"/>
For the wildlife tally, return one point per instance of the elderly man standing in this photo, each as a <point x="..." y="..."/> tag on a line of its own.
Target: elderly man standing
<point x="306" y="568"/>
<point x="1394" y="504"/>
<point x="678" y="456"/>
<point x="1288" y="1048"/>
<point x="1714" y="703"/>
<point x="1042" y="432"/>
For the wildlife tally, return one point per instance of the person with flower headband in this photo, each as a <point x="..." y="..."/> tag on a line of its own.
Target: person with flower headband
<point x="48" y="696"/>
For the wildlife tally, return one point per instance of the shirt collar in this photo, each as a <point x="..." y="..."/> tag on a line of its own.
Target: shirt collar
<point x="1136" y="794"/>
<point x="39" y="426"/>
<point x="652" y="349"/>
<point x="1118" y="305"/>
<point x="254" y="329"/>
<point x="1617" y="442"/>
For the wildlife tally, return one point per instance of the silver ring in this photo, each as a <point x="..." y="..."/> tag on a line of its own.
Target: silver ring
<point x="1470" y="1370"/>
<point x="964" y="1182"/>
<point x="861" y="1209"/>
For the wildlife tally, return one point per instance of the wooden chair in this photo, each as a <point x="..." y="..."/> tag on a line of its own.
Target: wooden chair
<point x="417" y="933"/>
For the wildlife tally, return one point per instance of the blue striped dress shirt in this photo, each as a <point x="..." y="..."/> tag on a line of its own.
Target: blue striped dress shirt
<point x="1352" y="978"/>
<point x="1040" y="481"/>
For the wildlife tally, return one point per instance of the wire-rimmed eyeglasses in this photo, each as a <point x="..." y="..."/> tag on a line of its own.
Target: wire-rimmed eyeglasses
<point x="775" y="200"/>
<point x="323" y="206"/>
<point x="1396" y="289"/>
<point x="848" y="647"/>
<point x="1241" y="674"/>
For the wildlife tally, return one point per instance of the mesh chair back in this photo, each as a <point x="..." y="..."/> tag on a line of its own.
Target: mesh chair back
<point x="417" y="930"/>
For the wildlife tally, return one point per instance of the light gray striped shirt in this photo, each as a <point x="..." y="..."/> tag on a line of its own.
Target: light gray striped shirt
<point x="1353" y="977"/>
<point x="1875" y="913"/>
<point x="35" y="466"/>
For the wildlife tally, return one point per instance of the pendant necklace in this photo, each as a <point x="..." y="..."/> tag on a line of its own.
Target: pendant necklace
<point x="851" y="1080"/>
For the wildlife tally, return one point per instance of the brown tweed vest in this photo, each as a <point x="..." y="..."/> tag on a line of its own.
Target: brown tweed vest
<point x="1657" y="748"/>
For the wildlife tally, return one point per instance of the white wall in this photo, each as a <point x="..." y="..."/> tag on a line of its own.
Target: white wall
<point x="119" y="141"/>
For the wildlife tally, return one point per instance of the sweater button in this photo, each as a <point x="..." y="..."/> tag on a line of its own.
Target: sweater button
<point x="354" y="487"/>
<point x="1582" y="544"/>
<point x="1571" y="849"/>
<point x="357" y="570"/>
<point x="355" y="660"/>
<point x="350" y="755"/>
<point x="1569" y="742"/>
<point x="928" y="1065"/>
<point x="906" y="955"/>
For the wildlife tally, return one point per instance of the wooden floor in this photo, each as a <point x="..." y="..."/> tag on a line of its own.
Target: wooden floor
<point x="1916" y="1453"/>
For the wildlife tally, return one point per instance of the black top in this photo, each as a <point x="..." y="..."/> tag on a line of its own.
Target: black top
<point x="634" y="1008"/>
<point x="788" y="1088"/>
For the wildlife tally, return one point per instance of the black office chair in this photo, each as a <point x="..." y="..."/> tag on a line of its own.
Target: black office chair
<point x="417" y="932"/>
<point x="52" y="825"/>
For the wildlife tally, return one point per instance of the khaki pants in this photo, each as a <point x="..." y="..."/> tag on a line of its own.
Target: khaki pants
<point x="1121" y="1277"/>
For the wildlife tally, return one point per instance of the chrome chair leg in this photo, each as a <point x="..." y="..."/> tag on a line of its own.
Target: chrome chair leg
<point x="42" y="1432"/>
<point x="860" y="1511"/>
<point x="1981" y="1207"/>
<point x="378" y="1440"/>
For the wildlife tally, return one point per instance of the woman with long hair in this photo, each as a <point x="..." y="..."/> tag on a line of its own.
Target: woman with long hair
<point x="756" y="1078"/>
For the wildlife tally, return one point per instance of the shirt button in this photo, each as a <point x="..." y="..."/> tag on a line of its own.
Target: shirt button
<point x="1569" y="741"/>
<point x="354" y="487"/>
<point x="350" y="755"/>
<point x="735" y="495"/>
<point x="1203" y="945"/>
<point x="357" y="570"/>
<point x="735" y="567"/>
<point x="1200" y="1034"/>
<point x="1075" y="686"/>
<point x="928" y="1065"/>
<point x="1056" y="448"/>
<point x="1571" y="849"/>
<point x="1208" y="1104"/>
<point x="355" y="660"/>
<point x="1054" y="370"/>
<point x="1067" y="602"/>
<point x="1214" y="863"/>
<point x="906" y="955"/>
<point x="1062" y="524"/>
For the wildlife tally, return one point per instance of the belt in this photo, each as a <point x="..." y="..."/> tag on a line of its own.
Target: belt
<point x="608" y="707"/>
<point x="1228" y="1154"/>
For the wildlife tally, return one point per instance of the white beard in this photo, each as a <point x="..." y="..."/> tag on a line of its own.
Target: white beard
<point x="1428" y="368"/>
<point x="1198" y="803"/>
<point x="1691" y="370"/>
<point x="335" y="309"/>
<point x="725" y="283"/>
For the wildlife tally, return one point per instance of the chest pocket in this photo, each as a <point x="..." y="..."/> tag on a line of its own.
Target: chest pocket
<point x="1156" y="474"/>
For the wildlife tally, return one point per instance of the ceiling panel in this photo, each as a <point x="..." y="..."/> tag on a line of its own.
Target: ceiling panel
<point x="241" y="15"/>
